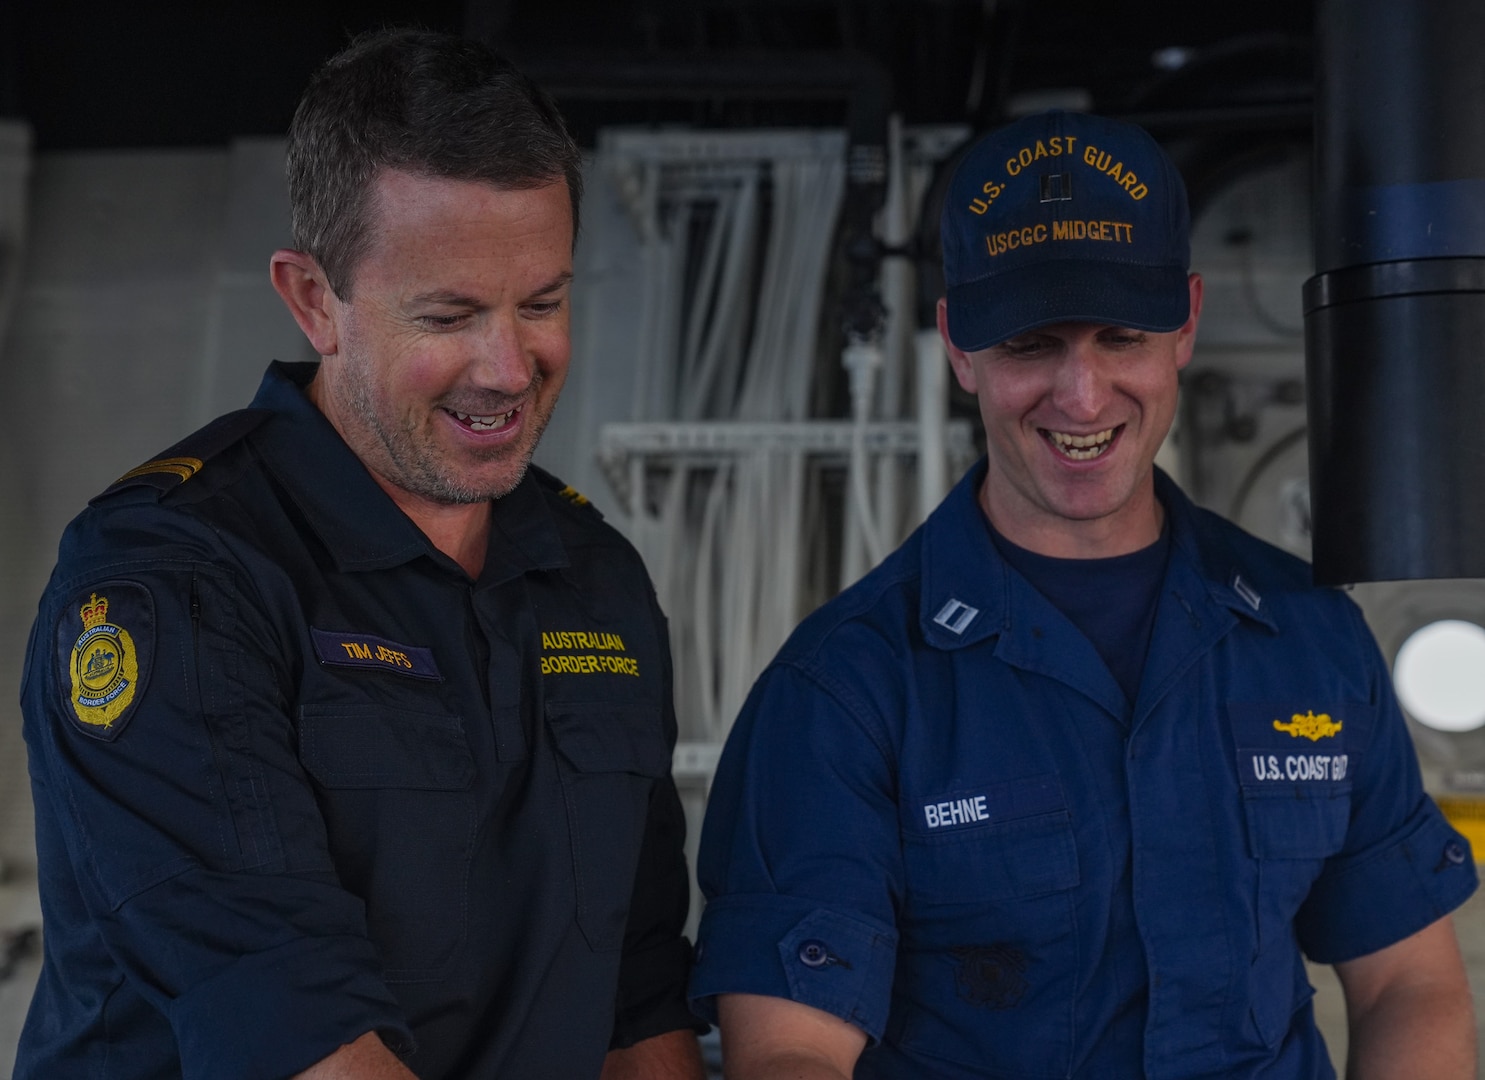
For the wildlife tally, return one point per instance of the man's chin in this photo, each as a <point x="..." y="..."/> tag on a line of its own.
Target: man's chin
<point x="453" y="476"/>
<point x="484" y="488"/>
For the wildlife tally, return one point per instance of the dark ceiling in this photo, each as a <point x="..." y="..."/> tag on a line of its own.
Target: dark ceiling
<point x="90" y="74"/>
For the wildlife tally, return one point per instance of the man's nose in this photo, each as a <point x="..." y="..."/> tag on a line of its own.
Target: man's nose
<point x="501" y="362"/>
<point x="1082" y="382"/>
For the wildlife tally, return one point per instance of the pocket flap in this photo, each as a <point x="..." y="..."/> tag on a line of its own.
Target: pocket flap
<point x="603" y="737"/>
<point x="1003" y="841"/>
<point x="1310" y="826"/>
<point x="371" y="746"/>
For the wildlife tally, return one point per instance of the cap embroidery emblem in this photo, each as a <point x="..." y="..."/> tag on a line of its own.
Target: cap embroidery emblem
<point x="1057" y="187"/>
<point x="1309" y="726"/>
<point x="1064" y="217"/>
<point x="105" y="667"/>
<point x="956" y="616"/>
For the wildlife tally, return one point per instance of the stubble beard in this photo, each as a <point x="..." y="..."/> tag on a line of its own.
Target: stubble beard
<point x="417" y="464"/>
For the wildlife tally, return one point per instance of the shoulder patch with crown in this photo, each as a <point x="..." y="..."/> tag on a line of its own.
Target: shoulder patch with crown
<point x="105" y="642"/>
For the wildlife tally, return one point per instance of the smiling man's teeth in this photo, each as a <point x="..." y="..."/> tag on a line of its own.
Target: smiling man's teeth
<point x="485" y="423"/>
<point x="1082" y="447"/>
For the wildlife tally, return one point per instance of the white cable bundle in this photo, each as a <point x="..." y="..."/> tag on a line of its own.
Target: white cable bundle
<point x="903" y="368"/>
<point x="725" y="536"/>
<point x="714" y="345"/>
<point x="807" y="196"/>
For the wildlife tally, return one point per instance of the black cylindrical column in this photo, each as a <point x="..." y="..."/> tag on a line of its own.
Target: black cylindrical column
<point x="1395" y="316"/>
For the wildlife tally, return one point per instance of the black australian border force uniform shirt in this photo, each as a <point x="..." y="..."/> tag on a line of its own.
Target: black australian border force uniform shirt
<point x="297" y="777"/>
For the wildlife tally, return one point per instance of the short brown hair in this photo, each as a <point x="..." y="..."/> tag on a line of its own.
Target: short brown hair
<point x="428" y="103"/>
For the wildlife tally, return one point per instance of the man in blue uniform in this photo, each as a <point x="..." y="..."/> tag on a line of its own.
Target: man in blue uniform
<point x="350" y="734"/>
<point x="1068" y="785"/>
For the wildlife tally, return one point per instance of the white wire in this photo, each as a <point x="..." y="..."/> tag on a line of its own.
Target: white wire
<point x="708" y="659"/>
<point x="642" y="193"/>
<point x="740" y="598"/>
<point x="784" y="569"/>
<point x="735" y="566"/>
<point x="716" y="369"/>
<point x="700" y="314"/>
<point x="863" y="360"/>
<point x="899" y="296"/>
<point x="932" y="399"/>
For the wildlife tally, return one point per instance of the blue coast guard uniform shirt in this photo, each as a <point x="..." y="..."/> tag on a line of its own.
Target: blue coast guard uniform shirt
<point x="297" y="777"/>
<point x="939" y="818"/>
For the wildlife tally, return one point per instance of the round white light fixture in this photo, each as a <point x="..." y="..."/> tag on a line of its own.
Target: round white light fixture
<point x="1439" y="674"/>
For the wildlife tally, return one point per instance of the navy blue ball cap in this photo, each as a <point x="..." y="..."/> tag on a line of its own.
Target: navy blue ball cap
<point x="1064" y="217"/>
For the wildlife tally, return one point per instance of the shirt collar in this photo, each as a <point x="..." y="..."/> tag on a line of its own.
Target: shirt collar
<point x="964" y="577"/>
<point x="965" y="594"/>
<point x="1194" y="533"/>
<point x="355" y="519"/>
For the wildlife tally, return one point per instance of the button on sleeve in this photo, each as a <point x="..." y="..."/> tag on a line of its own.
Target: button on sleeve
<point x="801" y="858"/>
<point x="832" y="960"/>
<point x="1403" y="866"/>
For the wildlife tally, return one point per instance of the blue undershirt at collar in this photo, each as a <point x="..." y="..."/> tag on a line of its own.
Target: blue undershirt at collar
<point x="1111" y="600"/>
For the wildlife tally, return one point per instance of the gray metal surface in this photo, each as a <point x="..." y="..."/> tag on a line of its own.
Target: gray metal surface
<point x="142" y="308"/>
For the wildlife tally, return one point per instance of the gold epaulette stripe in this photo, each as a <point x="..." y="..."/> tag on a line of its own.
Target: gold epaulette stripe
<point x="183" y="467"/>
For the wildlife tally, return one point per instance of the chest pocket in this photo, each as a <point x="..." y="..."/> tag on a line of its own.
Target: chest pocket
<point x="1008" y="841"/>
<point x="1299" y="826"/>
<point x="608" y="756"/>
<point x="989" y="949"/>
<point x="1294" y="770"/>
<point x="396" y="794"/>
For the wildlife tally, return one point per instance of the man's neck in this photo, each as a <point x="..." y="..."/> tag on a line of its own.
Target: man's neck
<point x="1133" y="527"/>
<point x="461" y="531"/>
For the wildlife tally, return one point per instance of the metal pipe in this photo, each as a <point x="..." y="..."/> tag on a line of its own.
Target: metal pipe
<point x="1395" y="316"/>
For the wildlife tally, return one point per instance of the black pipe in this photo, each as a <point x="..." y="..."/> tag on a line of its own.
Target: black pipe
<point x="1395" y="316"/>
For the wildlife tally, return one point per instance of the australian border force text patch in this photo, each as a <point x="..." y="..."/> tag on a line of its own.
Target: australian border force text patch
<point x="105" y="642"/>
<point x="345" y="648"/>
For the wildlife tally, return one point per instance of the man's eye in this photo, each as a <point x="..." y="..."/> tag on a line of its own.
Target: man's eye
<point x="1025" y="348"/>
<point x="544" y="307"/>
<point x="443" y="322"/>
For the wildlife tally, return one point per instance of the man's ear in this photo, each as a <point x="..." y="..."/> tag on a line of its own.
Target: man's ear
<point x="964" y="368"/>
<point x="299" y="280"/>
<point x="1186" y="336"/>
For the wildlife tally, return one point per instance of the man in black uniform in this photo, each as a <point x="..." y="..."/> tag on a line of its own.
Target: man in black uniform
<point x="350" y="735"/>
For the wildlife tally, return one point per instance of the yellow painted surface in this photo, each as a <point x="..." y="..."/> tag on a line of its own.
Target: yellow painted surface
<point x="1467" y="814"/>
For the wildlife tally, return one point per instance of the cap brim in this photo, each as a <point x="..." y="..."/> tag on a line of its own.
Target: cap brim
<point x="997" y="308"/>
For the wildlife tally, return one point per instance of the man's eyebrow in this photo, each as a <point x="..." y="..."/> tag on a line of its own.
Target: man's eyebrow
<point x="444" y="296"/>
<point x="556" y="283"/>
<point x="455" y="299"/>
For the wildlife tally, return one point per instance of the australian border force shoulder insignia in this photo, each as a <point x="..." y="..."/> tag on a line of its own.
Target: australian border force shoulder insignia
<point x="105" y="638"/>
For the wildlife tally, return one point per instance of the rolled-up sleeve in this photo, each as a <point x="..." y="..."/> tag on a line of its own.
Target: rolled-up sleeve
<point x="1403" y="865"/>
<point x="801" y="861"/>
